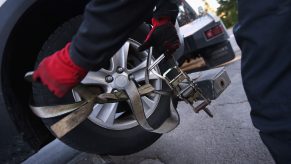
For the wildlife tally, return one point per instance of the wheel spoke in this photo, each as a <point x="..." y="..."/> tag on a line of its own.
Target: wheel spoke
<point x="140" y="75"/>
<point x="120" y="57"/>
<point x="147" y="102"/>
<point x="152" y="76"/>
<point x="107" y="113"/>
<point x="96" y="109"/>
<point x="139" y="67"/>
<point x="117" y="115"/>
<point x="96" y="78"/>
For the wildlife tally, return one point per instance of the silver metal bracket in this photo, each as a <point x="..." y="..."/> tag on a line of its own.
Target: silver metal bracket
<point x="182" y="86"/>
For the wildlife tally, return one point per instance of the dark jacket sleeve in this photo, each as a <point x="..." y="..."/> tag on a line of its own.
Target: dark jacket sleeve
<point x="167" y="8"/>
<point x="106" y="26"/>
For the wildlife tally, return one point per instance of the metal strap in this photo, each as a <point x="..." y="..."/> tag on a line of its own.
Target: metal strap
<point x="57" y="110"/>
<point x="79" y="111"/>
<point x="68" y="123"/>
<point x="137" y="108"/>
<point x="72" y="120"/>
<point x="87" y="93"/>
<point x="164" y="93"/>
<point x="156" y="62"/>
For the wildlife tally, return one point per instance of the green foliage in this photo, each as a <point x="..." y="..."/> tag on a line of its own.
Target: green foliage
<point x="228" y="12"/>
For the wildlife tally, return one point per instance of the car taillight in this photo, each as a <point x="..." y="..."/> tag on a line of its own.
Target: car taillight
<point x="213" y="32"/>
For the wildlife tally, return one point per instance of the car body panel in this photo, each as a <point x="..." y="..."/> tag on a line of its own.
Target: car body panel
<point x="11" y="139"/>
<point x="194" y="36"/>
<point x="10" y="12"/>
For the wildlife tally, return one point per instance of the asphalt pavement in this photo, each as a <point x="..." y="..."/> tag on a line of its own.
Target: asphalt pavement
<point x="229" y="137"/>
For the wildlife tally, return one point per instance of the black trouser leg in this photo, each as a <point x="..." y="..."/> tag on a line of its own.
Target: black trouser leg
<point x="264" y="36"/>
<point x="279" y="146"/>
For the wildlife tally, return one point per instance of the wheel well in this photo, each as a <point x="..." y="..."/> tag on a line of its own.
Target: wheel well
<point x="24" y="43"/>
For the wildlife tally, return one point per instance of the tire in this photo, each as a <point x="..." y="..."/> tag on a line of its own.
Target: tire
<point x="88" y="136"/>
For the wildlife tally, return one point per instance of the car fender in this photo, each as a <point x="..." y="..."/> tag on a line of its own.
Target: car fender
<point x="10" y="12"/>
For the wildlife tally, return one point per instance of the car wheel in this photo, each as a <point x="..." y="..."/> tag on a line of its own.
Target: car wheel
<point x="110" y="128"/>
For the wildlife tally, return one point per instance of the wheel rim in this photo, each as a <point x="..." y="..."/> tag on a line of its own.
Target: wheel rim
<point x="126" y="63"/>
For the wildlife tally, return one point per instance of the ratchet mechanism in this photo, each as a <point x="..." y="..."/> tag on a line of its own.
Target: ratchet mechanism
<point x="181" y="86"/>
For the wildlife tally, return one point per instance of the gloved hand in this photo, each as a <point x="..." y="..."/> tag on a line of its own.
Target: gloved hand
<point x="59" y="73"/>
<point x="163" y="37"/>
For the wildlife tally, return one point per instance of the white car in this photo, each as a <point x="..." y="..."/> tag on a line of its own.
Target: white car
<point x="204" y="36"/>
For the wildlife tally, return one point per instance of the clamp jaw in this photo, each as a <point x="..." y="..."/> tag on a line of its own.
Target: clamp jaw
<point x="186" y="89"/>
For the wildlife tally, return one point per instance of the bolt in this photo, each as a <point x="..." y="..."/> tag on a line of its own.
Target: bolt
<point x="108" y="79"/>
<point x="119" y="69"/>
<point x="114" y="90"/>
<point x="131" y="77"/>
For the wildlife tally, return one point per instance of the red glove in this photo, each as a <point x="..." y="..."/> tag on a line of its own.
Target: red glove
<point x="59" y="73"/>
<point x="163" y="37"/>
